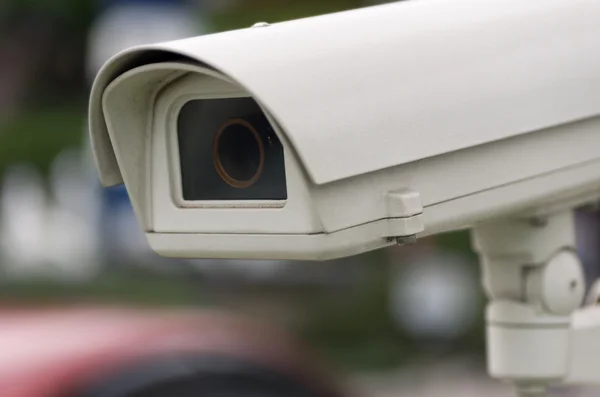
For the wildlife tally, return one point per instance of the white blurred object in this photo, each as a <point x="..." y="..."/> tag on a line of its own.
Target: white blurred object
<point x="22" y="222"/>
<point x="73" y="218"/>
<point x="434" y="296"/>
<point x="128" y="25"/>
<point x="71" y="246"/>
<point x="72" y="185"/>
<point x="52" y="237"/>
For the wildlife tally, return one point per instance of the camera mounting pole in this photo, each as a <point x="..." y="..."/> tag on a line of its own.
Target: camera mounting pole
<point x="535" y="283"/>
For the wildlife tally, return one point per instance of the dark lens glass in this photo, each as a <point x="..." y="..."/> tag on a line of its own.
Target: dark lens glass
<point x="238" y="153"/>
<point x="229" y="151"/>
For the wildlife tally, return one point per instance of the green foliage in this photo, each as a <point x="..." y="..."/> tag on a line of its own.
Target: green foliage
<point x="37" y="136"/>
<point x="278" y="11"/>
<point x="359" y="333"/>
<point x="456" y="241"/>
<point x="126" y="286"/>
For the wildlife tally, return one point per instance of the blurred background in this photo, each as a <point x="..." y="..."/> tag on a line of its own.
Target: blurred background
<point x="403" y="321"/>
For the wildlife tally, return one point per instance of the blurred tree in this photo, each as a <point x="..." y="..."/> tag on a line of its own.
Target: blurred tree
<point x="37" y="136"/>
<point x="247" y="12"/>
<point x="41" y="52"/>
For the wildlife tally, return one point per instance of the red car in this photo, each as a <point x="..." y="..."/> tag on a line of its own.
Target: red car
<point x="105" y="352"/>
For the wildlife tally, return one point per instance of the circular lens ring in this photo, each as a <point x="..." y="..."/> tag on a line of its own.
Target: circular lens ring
<point x="219" y="165"/>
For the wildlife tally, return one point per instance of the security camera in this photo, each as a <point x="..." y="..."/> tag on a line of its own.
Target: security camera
<point x="331" y="136"/>
<point x="336" y="135"/>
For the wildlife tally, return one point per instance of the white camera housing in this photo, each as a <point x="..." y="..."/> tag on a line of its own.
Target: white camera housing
<point x="396" y="121"/>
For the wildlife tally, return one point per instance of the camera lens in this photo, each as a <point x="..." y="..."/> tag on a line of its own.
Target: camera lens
<point x="238" y="153"/>
<point x="228" y="150"/>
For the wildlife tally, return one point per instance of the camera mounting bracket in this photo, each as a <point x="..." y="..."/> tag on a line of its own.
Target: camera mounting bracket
<point x="536" y="336"/>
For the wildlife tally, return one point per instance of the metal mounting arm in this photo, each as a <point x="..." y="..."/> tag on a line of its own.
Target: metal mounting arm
<point x="535" y="283"/>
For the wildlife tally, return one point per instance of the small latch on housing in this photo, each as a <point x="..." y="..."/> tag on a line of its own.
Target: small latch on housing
<point x="405" y="214"/>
